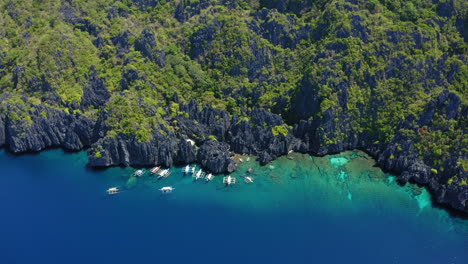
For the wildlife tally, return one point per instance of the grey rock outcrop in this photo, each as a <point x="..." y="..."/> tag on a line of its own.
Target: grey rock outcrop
<point x="2" y="130"/>
<point x="95" y="93"/>
<point x="215" y="156"/>
<point x="48" y="128"/>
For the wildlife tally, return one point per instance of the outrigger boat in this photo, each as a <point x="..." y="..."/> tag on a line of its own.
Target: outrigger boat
<point x="113" y="190"/>
<point x="192" y="170"/>
<point x="198" y="175"/>
<point x="187" y="169"/>
<point x="209" y="177"/>
<point x="228" y="180"/>
<point x="164" y="173"/>
<point x="155" y="169"/>
<point x="248" y="179"/>
<point x="138" y="173"/>
<point x="167" y="189"/>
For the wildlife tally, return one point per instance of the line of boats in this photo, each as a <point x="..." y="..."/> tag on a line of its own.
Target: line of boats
<point x="196" y="174"/>
<point x="162" y="173"/>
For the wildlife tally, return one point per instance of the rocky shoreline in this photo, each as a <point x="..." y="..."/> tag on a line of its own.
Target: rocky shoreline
<point x="211" y="137"/>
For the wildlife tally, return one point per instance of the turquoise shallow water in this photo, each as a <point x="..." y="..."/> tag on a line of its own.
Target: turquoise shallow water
<point x="333" y="209"/>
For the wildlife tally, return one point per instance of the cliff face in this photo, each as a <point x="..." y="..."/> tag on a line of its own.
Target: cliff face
<point x="47" y="128"/>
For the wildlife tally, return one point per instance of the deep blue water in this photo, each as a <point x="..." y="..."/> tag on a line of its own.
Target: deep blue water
<point x="55" y="210"/>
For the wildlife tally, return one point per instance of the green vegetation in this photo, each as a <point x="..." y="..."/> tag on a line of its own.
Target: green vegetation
<point x="460" y="183"/>
<point x="98" y="154"/>
<point x="463" y="163"/>
<point x="280" y="130"/>
<point x="371" y="64"/>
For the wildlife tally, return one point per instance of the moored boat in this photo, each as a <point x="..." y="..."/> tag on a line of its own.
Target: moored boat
<point x="113" y="190"/>
<point x="209" y="177"/>
<point x="155" y="169"/>
<point x="229" y="180"/>
<point x="248" y="179"/>
<point x="167" y="189"/>
<point x="164" y="173"/>
<point x="198" y="175"/>
<point x="187" y="169"/>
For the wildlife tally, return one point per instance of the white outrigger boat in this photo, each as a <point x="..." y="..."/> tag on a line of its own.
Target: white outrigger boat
<point x="155" y="169"/>
<point x="187" y="169"/>
<point x="113" y="190"/>
<point x="164" y="173"/>
<point x="248" y="179"/>
<point x="229" y="180"/>
<point x="192" y="170"/>
<point x="167" y="189"/>
<point x="209" y="177"/>
<point x="198" y="175"/>
<point x="138" y="173"/>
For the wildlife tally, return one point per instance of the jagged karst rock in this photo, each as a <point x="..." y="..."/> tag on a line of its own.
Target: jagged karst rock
<point x="447" y="104"/>
<point x="95" y="93"/>
<point x="287" y="5"/>
<point x="115" y="11"/>
<point x="2" y="65"/>
<point x="48" y="93"/>
<point x="145" y="4"/>
<point x="185" y="9"/>
<point x="187" y="153"/>
<point x="285" y="35"/>
<point x="69" y="14"/>
<point x="305" y="102"/>
<point x="215" y="156"/>
<point x="48" y="128"/>
<point x="99" y="42"/>
<point x="12" y="10"/>
<point x="122" y="41"/>
<point x="124" y="150"/>
<point x="17" y="74"/>
<point x="2" y="130"/>
<point x="130" y="76"/>
<point x="201" y="40"/>
<point x="146" y="43"/>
